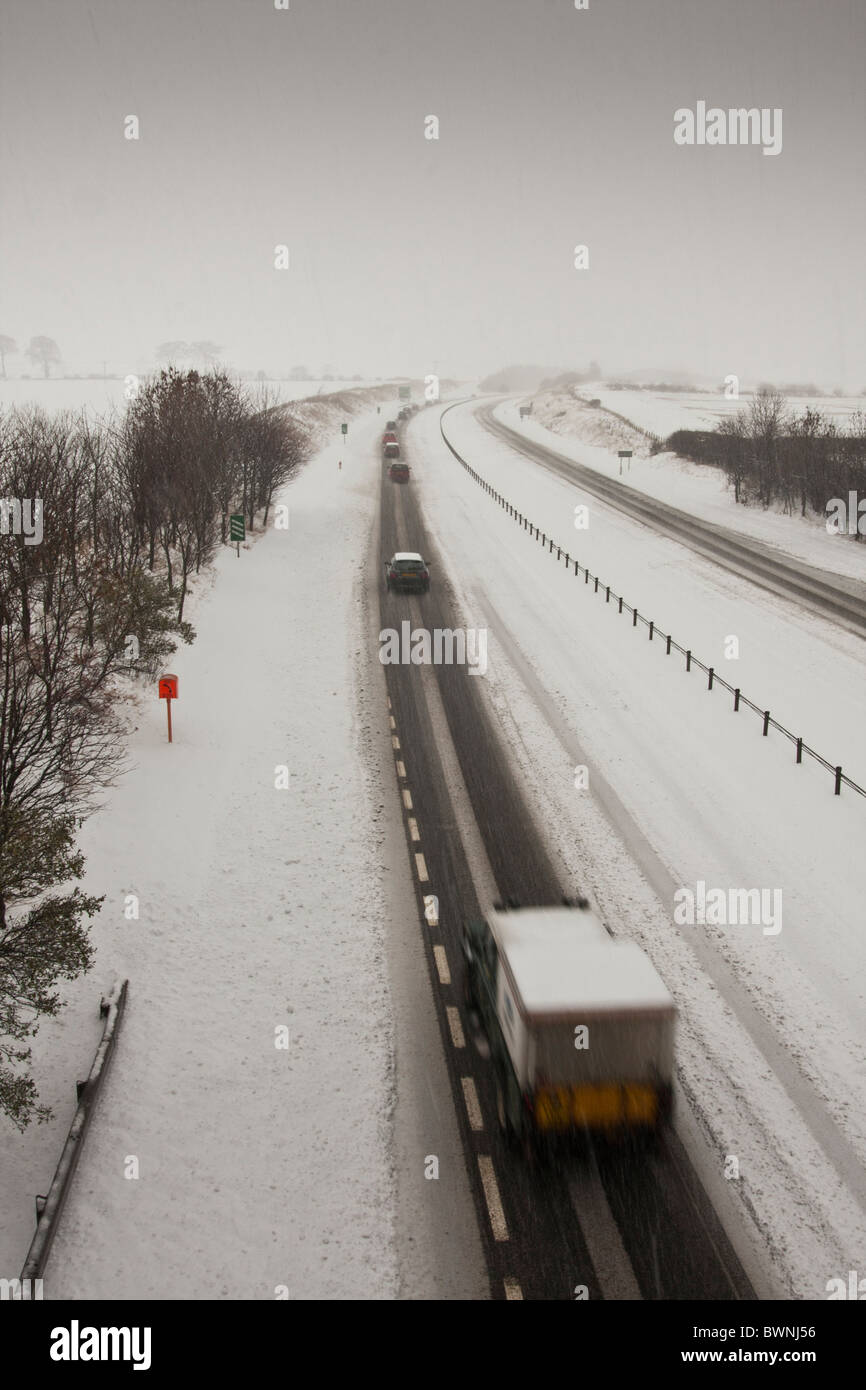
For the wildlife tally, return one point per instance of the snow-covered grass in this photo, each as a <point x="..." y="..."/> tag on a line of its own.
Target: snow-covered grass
<point x="259" y="909"/>
<point x="592" y="438"/>
<point x="771" y="1051"/>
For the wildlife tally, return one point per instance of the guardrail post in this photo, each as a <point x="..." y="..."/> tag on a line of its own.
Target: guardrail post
<point x="607" y="595"/>
<point x="558" y="553"/>
<point x="634" y="617"/>
<point x="652" y="625"/>
<point x="620" y="605"/>
<point x="766" y="722"/>
<point x="668" y="647"/>
<point x="736" y="699"/>
<point x="586" y="576"/>
<point x="710" y="673"/>
<point x="799" y="750"/>
<point x="838" y="787"/>
<point x="576" y="568"/>
<point x="688" y="660"/>
<point x="596" y="583"/>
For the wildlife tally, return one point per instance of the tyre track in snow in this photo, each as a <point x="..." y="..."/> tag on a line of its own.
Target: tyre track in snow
<point x="621" y="1223"/>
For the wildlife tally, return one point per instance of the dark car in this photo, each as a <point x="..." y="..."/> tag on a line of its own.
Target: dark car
<point x="406" y="572"/>
<point x="399" y="472"/>
<point x="390" y="424"/>
<point x="391" y="451"/>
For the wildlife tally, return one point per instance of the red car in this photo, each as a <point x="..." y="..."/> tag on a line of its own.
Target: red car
<point x="399" y="472"/>
<point x="389" y="437"/>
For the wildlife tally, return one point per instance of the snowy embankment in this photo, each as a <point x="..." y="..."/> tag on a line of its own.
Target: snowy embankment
<point x="593" y="437"/>
<point x="219" y="1164"/>
<point x="681" y="790"/>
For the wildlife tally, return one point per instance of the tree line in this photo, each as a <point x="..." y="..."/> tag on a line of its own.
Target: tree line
<point x="129" y="508"/>
<point x="773" y="455"/>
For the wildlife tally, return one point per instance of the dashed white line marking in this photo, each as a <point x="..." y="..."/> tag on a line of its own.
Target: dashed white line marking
<point x="392" y="721"/>
<point x="513" y="1291"/>
<point x="413" y="828"/>
<point x="455" y="1025"/>
<point x="388" y="697"/>
<point x="473" y="1106"/>
<point x="401" y="768"/>
<point x="422" y="868"/>
<point x="441" y="958"/>
<point x="491" y="1195"/>
<point x="395" y="742"/>
<point x="431" y="914"/>
<point x="407" y="798"/>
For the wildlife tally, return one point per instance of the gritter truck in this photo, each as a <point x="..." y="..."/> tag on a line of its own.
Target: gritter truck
<point x="580" y="1024"/>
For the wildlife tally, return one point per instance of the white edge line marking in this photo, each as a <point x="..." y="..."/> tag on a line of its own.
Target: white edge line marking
<point x="413" y="828"/>
<point x="441" y="957"/>
<point x="473" y="1107"/>
<point x="513" y="1291"/>
<point x="401" y="768"/>
<point x="491" y="1196"/>
<point x="455" y="1025"/>
<point x="422" y="868"/>
<point x="407" y="798"/>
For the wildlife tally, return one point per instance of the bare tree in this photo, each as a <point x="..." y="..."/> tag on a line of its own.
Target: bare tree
<point x="45" y="352"/>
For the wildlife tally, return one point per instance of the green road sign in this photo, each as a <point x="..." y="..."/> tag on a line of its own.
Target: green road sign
<point x="237" y="530"/>
<point x="345" y="428"/>
<point x="405" y="393"/>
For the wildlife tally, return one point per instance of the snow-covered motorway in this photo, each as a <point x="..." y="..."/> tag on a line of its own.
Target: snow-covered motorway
<point x="281" y="851"/>
<point x="619" y="1224"/>
<point x="681" y="791"/>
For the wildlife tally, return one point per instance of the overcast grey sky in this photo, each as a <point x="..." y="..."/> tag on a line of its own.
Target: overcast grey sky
<point x="456" y="255"/>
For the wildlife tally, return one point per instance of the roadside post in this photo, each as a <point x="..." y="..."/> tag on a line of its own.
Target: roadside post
<point x="345" y="428"/>
<point x="168" y="685"/>
<point x="237" y="529"/>
<point x="624" y="454"/>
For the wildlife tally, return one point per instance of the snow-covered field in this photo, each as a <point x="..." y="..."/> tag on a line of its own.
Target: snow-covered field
<point x="681" y="790"/>
<point x="102" y="396"/>
<point x="593" y="438"/>
<point x="661" y="414"/>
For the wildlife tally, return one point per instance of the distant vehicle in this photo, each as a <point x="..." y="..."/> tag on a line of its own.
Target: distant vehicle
<point x="580" y="1024"/>
<point x="389" y="437"/>
<point x="399" y="472"/>
<point x="404" y="413"/>
<point x="391" y="451"/>
<point x="390" y="424"/>
<point x="406" y="572"/>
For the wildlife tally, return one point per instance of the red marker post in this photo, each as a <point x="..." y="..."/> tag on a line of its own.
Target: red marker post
<point x="168" y="685"/>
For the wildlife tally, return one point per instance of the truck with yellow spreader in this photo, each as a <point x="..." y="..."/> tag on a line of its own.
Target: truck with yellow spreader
<point x="580" y="1024"/>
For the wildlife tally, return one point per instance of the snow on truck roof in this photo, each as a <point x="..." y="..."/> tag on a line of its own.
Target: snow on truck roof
<point x="563" y="960"/>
